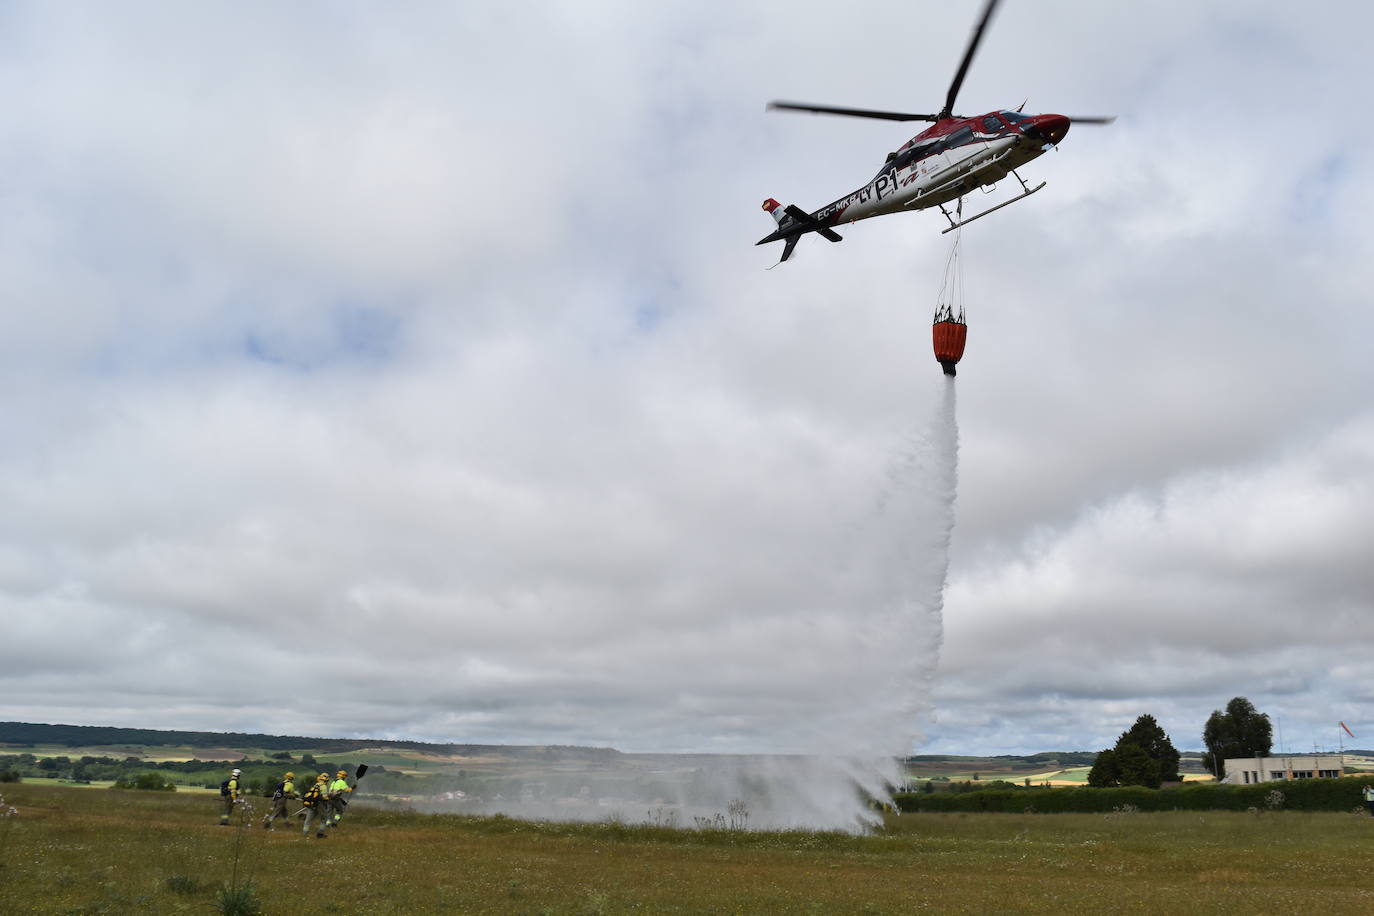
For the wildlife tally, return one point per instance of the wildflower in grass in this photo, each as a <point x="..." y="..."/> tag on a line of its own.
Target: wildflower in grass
<point x="7" y="815"/>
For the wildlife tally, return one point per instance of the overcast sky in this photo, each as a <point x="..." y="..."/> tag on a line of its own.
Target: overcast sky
<point x="410" y="371"/>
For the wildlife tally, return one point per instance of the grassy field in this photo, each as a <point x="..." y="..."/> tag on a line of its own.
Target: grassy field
<point x="74" y="851"/>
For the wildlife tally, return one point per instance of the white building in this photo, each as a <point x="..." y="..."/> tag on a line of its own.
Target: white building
<point x="1246" y="770"/>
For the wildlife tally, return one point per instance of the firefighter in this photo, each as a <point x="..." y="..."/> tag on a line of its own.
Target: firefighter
<point x="285" y="791"/>
<point x="338" y="789"/>
<point x="316" y="803"/>
<point x="229" y="794"/>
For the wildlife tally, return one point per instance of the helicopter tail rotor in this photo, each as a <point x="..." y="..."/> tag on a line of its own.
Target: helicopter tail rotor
<point x="793" y="222"/>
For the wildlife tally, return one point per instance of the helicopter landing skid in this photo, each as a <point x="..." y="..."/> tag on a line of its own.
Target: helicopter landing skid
<point x="1027" y="192"/>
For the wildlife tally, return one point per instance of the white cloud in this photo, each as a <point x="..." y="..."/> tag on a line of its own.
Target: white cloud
<point x="424" y="357"/>
<point x="1247" y="579"/>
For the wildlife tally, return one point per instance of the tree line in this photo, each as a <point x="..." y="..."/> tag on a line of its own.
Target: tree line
<point x="259" y="776"/>
<point x="30" y="734"/>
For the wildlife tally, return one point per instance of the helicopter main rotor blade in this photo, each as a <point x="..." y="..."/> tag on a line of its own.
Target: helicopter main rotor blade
<point x="968" y="59"/>
<point x="852" y="112"/>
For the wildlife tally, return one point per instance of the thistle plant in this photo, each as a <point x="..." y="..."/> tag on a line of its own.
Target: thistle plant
<point x="739" y="818"/>
<point x="663" y="817"/>
<point x="739" y="814"/>
<point x="235" y="898"/>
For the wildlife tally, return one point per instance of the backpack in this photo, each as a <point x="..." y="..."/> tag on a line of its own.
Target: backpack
<point x="311" y="796"/>
<point x="280" y="790"/>
<point x="224" y="788"/>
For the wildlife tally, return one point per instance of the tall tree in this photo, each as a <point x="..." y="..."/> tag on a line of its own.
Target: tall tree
<point x="1105" y="772"/>
<point x="1137" y="767"/>
<point x="1156" y="744"/>
<point x="1143" y="756"/>
<point x="1240" y="731"/>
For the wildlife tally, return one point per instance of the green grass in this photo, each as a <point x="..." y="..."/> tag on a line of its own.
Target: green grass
<point x="74" y="851"/>
<point x="49" y="781"/>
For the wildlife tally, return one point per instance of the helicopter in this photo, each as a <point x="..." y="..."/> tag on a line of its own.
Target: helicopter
<point x="949" y="159"/>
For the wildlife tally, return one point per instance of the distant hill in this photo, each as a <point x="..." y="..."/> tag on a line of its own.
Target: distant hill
<point x="28" y="734"/>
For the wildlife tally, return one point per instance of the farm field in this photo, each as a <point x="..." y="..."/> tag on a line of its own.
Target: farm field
<point x="1078" y="776"/>
<point x="1052" y="768"/>
<point x="77" y="851"/>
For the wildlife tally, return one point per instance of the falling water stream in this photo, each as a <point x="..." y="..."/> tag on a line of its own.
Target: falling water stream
<point x="879" y="620"/>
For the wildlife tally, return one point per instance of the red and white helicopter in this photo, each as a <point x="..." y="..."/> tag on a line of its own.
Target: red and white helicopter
<point x="944" y="162"/>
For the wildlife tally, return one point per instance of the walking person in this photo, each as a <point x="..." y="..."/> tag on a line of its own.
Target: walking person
<point x="229" y="794"/>
<point x="338" y="789"/>
<point x="285" y="791"/>
<point x="317" y="808"/>
<point x="1369" y="799"/>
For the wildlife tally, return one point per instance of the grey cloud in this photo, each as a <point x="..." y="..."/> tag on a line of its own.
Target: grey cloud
<point x="584" y="471"/>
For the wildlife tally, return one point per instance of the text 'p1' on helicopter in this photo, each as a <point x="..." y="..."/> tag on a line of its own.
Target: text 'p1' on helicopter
<point x="947" y="160"/>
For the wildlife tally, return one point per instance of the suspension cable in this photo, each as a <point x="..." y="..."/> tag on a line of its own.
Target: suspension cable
<point x="952" y="282"/>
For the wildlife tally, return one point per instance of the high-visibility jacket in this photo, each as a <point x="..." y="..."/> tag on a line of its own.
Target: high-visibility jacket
<point x="339" y="787"/>
<point x="1368" y="794"/>
<point x="233" y="787"/>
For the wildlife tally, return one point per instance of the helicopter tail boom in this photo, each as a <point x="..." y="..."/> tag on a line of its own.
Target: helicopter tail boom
<point x="793" y="222"/>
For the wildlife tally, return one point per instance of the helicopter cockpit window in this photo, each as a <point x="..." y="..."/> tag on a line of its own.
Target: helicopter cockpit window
<point x="991" y="124"/>
<point x="1014" y="116"/>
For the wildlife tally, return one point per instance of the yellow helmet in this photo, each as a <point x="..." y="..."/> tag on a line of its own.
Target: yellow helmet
<point x="341" y="774"/>
<point x="290" y="775"/>
<point x="323" y="777"/>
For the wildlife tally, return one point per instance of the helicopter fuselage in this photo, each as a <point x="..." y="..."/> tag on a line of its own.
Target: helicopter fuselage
<point x="946" y="161"/>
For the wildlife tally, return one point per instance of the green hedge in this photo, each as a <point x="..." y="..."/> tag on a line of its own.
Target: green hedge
<point x="1298" y="795"/>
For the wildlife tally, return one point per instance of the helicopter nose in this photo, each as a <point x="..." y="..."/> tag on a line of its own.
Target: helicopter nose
<point x="1052" y="127"/>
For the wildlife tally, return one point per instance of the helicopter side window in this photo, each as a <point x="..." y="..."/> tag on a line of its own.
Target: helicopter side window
<point x="958" y="138"/>
<point x="904" y="159"/>
<point x="991" y="124"/>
